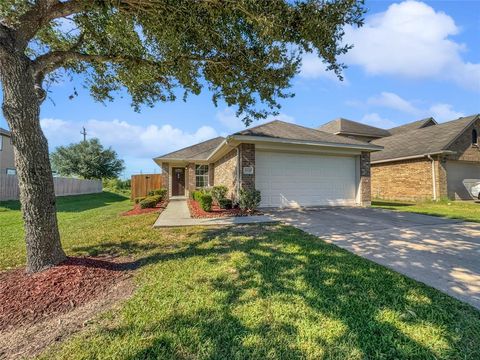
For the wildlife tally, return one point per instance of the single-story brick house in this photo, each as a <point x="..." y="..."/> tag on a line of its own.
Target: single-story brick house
<point x="420" y="160"/>
<point x="290" y="164"/>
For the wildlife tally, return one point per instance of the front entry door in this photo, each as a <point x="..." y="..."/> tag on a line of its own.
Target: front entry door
<point x="178" y="181"/>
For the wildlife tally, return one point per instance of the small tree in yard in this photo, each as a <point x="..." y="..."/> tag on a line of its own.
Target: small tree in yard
<point x="87" y="159"/>
<point x="244" y="51"/>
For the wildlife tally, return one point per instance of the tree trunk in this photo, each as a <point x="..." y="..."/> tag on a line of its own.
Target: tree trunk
<point x="21" y="108"/>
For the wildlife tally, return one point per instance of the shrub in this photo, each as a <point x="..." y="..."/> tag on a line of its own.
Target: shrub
<point x="249" y="199"/>
<point x="138" y="199"/>
<point x="157" y="198"/>
<point x="149" y="202"/>
<point x="219" y="192"/>
<point x="151" y="193"/>
<point x="206" y="202"/>
<point x="162" y="192"/>
<point x="196" y="195"/>
<point x="225" y="203"/>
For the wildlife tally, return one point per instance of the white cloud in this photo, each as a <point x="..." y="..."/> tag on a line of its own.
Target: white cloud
<point x="376" y="120"/>
<point x="228" y="119"/>
<point x="444" y="112"/>
<point x="411" y="39"/>
<point x="313" y="68"/>
<point x="393" y="101"/>
<point x="135" y="143"/>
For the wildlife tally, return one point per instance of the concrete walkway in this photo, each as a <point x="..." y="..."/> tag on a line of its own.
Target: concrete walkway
<point x="439" y="252"/>
<point x="177" y="214"/>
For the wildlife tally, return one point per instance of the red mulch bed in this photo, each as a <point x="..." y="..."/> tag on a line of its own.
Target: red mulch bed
<point x="197" y="212"/>
<point x="138" y="211"/>
<point x="31" y="298"/>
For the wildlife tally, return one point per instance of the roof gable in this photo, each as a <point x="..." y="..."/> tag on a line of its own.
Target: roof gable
<point x="419" y="124"/>
<point x="423" y="141"/>
<point x="345" y="126"/>
<point x="284" y="130"/>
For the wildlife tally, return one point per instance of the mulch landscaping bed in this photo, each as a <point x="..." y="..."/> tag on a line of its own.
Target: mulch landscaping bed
<point x="197" y="212"/>
<point x="139" y="211"/>
<point x="32" y="298"/>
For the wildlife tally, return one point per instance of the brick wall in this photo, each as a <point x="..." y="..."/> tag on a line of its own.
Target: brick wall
<point x="225" y="172"/>
<point x="190" y="180"/>
<point x="463" y="145"/>
<point x="365" y="180"/>
<point x="247" y="158"/>
<point x="406" y="180"/>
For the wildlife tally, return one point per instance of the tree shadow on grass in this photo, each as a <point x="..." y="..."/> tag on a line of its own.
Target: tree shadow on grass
<point x="76" y="203"/>
<point x="290" y="295"/>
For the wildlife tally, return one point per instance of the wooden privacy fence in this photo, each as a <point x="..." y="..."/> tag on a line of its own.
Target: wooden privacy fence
<point x="63" y="186"/>
<point x="142" y="184"/>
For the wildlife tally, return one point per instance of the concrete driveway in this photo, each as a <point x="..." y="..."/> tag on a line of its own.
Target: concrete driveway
<point x="442" y="253"/>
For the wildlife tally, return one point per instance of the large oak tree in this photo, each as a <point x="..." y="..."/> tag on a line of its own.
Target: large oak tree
<point x="244" y="51"/>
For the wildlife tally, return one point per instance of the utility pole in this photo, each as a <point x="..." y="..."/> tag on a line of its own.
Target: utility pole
<point x="84" y="133"/>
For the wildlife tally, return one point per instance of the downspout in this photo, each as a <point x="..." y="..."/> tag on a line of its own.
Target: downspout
<point x="434" y="178"/>
<point x="238" y="172"/>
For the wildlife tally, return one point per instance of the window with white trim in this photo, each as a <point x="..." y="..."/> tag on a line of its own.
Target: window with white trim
<point x="201" y="176"/>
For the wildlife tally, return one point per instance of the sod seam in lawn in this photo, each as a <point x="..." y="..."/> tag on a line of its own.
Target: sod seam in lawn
<point x="256" y="292"/>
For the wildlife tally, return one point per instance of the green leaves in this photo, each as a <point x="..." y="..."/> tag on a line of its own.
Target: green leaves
<point x="245" y="51"/>
<point x="87" y="159"/>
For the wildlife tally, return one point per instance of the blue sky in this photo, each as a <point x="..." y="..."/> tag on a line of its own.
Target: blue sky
<point x="411" y="60"/>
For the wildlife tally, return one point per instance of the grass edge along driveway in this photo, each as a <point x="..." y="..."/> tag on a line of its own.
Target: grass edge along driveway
<point x="256" y="292"/>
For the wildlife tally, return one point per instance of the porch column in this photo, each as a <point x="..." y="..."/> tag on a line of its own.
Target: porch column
<point x="190" y="178"/>
<point x="211" y="174"/>
<point x="247" y="160"/>
<point x="166" y="177"/>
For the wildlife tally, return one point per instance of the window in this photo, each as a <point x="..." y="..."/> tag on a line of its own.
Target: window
<point x="11" y="172"/>
<point x="1" y="142"/>
<point x="474" y="137"/>
<point x="201" y="175"/>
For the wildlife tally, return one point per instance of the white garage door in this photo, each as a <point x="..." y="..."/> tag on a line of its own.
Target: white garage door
<point x="293" y="180"/>
<point x="461" y="176"/>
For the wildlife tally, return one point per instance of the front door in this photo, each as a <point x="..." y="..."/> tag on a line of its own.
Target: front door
<point x="178" y="181"/>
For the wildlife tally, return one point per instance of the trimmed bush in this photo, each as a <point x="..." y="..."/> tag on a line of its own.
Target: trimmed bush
<point x="138" y="199"/>
<point x="206" y="202"/>
<point x="162" y="192"/>
<point x="249" y="199"/>
<point x="196" y="195"/>
<point x="149" y="202"/>
<point x="151" y="193"/>
<point x="225" y="203"/>
<point x="157" y="198"/>
<point x="219" y="192"/>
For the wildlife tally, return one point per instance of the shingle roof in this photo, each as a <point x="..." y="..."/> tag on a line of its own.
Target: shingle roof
<point x="427" y="140"/>
<point x="346" y="126"/>
<point x="419" y="124"/>
<point x="5" y="132"/>
<point x="199" y="151"/>
<point x="283" y="130"/>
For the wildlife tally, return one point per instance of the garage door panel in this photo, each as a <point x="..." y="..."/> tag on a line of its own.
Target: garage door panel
<point x="290" y="180"/>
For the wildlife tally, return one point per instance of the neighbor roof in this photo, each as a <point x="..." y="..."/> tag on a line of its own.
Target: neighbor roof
<point x="199" y="151"/>
<point x="283" y="130"/>
<point x="419" y="142"/>
<point x="5" y="132"/>
<point x="345" y="126"/>
<point x="419" y="124"/>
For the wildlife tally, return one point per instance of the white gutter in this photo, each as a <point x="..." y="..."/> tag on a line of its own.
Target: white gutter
<point x="444" y="152"/>
<point x="256" y="139"/>
<point x="434" y="178"/>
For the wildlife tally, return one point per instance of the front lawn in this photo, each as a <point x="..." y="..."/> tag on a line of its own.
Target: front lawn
<point x="250" y="292"/>
<point x="464" y="210"/>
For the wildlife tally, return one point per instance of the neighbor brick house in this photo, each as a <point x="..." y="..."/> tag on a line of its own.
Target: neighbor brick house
<point x="291" y="165"/>
<point x="422" y="160"/>
<point x="7" y="161"/>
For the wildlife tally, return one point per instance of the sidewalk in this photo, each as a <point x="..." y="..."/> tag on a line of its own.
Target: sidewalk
<point x="177" y="214"/>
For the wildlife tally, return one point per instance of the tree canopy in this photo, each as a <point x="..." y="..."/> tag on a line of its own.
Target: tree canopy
<point x="87" y="159"/>
<point x="244" y="51"/>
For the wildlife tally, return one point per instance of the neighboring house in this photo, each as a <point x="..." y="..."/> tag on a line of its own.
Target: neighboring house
<point x="353" y="130"/>
<point x="291" y="165"/>
<point x="7" y="162"/>
<point x="422" y="160"/>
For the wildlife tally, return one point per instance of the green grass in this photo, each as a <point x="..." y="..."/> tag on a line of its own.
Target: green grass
<point x="253" y="292"/>
<point x="464" y="210"/>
